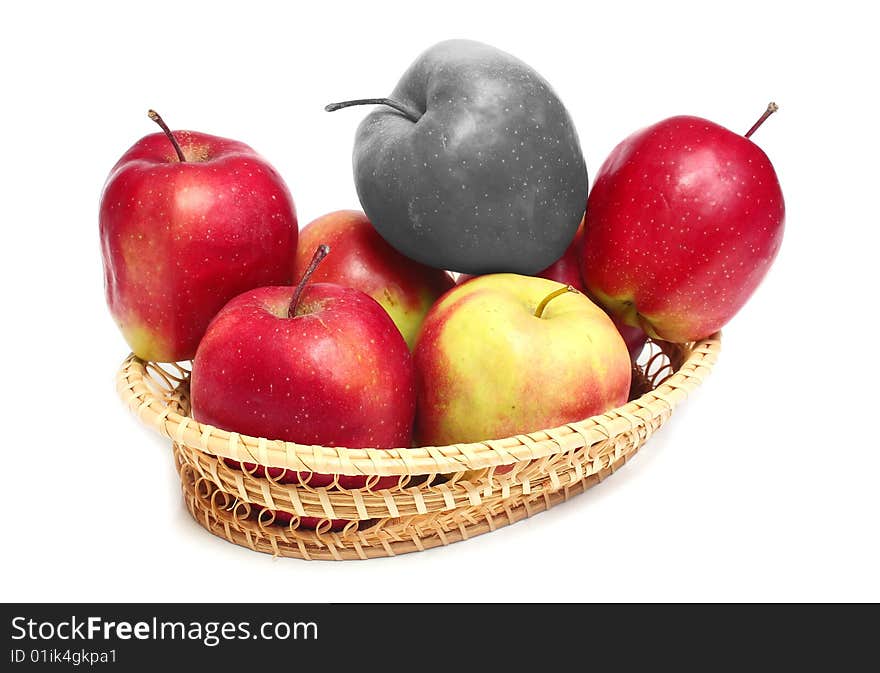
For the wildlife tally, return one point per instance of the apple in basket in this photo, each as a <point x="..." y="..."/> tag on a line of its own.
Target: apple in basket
<point x="505" y="354"/>
<point x="683" y="222"/>
<point x="187" y="222"/>
<point x="316" y="364"/>
<point x="472" y="164"/>
<point x="567" y="270"/>
<point x="363" y="260"/>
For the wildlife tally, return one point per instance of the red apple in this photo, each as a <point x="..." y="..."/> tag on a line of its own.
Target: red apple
<point x="682" y="224"/>
<point x="363" y="260"/>
<point x="634" y="337"/>
<point x="505" y="354"/>
<point x="567" y="270"/>
<point x="319" y="364"/>
<point x="188" y="221"/>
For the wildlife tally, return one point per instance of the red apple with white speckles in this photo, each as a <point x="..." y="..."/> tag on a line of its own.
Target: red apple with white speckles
<point x="316" y="364"/>
<point x="488" y="347"/>
<point x="188" y="221"/>
<point x="682" y="224"/>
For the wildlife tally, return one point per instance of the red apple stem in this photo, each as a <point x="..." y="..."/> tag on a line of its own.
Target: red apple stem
<point x="539" y="311"/>
<point x="320" y="254"/>
<point x="771" y="108"/>
<point x="410" y="113"/>
<point x="152" y="114"/>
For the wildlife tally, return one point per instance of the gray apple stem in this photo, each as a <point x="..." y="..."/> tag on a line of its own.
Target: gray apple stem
<point x="773" y="107"/>
<point x="320" y="254"/>
<point x="152" y="114"/>
<point x="410" y="113"/>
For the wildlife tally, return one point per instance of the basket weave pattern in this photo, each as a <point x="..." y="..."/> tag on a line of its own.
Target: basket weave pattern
<point x="444" y="494"/>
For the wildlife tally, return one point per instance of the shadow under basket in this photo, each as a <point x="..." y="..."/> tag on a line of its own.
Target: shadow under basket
<point x="444" y="494"/>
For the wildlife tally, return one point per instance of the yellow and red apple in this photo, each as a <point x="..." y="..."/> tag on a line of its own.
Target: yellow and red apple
<point x="505" y="354"/>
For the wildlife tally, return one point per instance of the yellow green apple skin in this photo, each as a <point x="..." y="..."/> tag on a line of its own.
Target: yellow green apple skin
<point x="488" y="367"/>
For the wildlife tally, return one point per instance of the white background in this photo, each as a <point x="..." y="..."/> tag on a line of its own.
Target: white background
<point x="763" y="485"/>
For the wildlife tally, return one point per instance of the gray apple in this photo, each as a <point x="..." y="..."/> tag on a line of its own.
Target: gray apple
<point x="472" y="164"/>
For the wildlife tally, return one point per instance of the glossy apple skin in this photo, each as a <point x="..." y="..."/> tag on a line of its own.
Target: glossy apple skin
<point x="487" y="368"/>
<point x="337" y="374"/>
<point x="490" y="175"/>
<point x="360" y="258"/>
<point x="180" y="239"/>
<point x="634" y="337"/>
<point x="567" y="270"/>
<point x="682" y="224"/>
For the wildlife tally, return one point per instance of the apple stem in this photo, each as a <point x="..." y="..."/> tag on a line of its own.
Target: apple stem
<point x="771" y="108"/>
<point x="539" y="311"/>
<point x="320" y="254"/>
<point x="410" y="113"/>
<point x="152" y="114"/>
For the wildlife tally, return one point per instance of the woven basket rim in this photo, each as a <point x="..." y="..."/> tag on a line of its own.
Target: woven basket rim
<point x="158" y="414"/>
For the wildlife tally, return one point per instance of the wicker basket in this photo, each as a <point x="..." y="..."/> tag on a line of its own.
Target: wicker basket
<point x="445" y="493"/>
